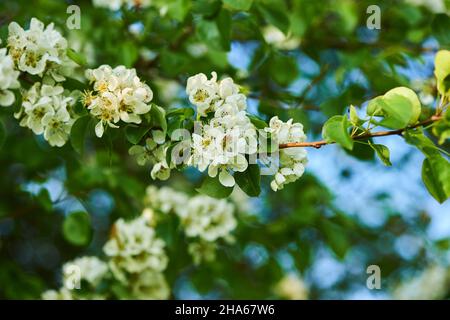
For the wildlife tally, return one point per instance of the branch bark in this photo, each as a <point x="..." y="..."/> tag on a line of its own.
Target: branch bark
<point x="318" y="144"/>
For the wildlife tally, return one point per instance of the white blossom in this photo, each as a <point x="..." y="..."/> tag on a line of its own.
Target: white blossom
<point x="118" y="94"/>
<point x="222" y="143"/>
<point x="39" y="50"/>
<point x="165" y="199"/>
<point x="207" y="218"/>
<point x="8" y="79"/>
<point x="134" y="247"/>
<point x="292" y="161"/>
<point x="209" y="94"/>
<point x="291" y="287"/>
<point x="279" y="40"/>
<point x="92" y="269"/>
<point x="46" y="110"/>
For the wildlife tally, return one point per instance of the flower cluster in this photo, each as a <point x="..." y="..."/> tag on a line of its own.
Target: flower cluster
<point x="134" y="247"/>
<point x="292" y="161"/>
<point x="47" y="109"/>
<point x="165" y="199"/>
<point x="222" y="143"/>
<point x="91" y="269"/>
<point x="39" y="50"/>
<point x="207" y="218"/>
<point x="208" y="95"/>
<point x="8" y="79"/>
<point x="135" y="259"/>
<point x="117" y="4"/>
<point x="118" y="94"/>
<point x="204" y="219"/>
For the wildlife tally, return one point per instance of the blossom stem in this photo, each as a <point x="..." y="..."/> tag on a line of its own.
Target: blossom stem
<point x="318" y="144"/>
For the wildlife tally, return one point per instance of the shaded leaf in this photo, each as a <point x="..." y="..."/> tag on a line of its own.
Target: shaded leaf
<point x="213" y="188"/>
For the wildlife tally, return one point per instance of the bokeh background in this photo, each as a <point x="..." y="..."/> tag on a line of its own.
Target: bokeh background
<point x="300" y="59"/>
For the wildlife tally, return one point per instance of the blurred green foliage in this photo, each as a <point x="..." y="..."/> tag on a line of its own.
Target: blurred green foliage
<point x="37" y="233"/>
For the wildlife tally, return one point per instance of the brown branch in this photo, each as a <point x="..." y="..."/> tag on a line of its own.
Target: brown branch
<point x="318" y="144"/>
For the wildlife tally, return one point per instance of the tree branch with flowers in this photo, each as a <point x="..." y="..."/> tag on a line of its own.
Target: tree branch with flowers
<point x="218" y="135"/>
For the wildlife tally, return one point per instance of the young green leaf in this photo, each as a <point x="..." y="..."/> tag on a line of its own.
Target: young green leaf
<point x="78" y="133"/>
<point x="77" y="228"/>
<point x="249" y="180"/>
<point x="399" y="108"/>
<point x="135" y="134"/>
<point x="185" y="112"/>
<point x="418" y="139"/>
<point x="436" y="177"/>
<point x="158" y="115"/>
<point x="336" y="130"/>
<point x="257" y="122"/>
<point x="213" y="188"/>
<point x="354" y="119"/>
<point x="76" y="57"/>
<point x="442" y="71"/>
<point x="382" y="152"/>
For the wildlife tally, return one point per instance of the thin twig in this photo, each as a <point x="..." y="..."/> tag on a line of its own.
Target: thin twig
<point x="318" y="144"/>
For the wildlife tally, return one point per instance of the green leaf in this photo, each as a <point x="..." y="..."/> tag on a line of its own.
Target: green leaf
<point x="382" y="152"/>
<point x="274" y="12"/>
<point x="76" y="57"/>
<point x="44" y="199"/>
<point x="257" y="122"/>
<point x="361" y="151"/>
<point x="186" y="112"/>
<point x="206" y="7"/>
<point x="335" y="237"/>
<point x="128" y="53"/>
<point x="213" y="188"/>
<point x="135" y="134"/>
<point x="158" y="115"/>
<point x="418" y="139"/>
<point x="441" y="129"/>
<point x="74" y="84"/>
<point x="249" y="180"/>
<point x="2" y="134"/>
<point x="354" y="119"/>
<point x="442" y="71"/>
<point x="178" y="9"/>
<point x="288" y="65"/>
<point x="440" y="28"/>
<point x="336" y="130"/>
<point x="208" y="32"/>
<point x="240" y="5"/>
<point x="223" y="21"/>
<point x="436" y="177"/>
<point x="78" y="133"/>
<point x="399" y="108"/>
<point x="77" y="228"/>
